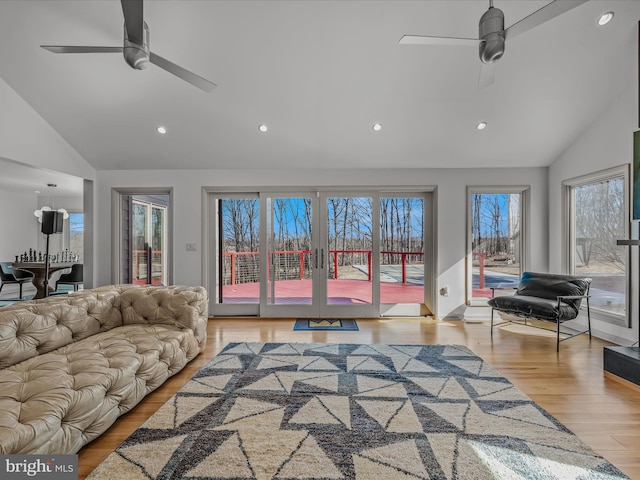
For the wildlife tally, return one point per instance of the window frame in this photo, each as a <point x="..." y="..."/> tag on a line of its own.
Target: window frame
<point x="569" y="234"/>
<point x="67" y="231"/>
<point x="525" y="214"/>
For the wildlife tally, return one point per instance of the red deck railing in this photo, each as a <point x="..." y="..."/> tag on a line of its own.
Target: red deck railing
<point x="301" y="254"/>
<point x="141" y="267"/>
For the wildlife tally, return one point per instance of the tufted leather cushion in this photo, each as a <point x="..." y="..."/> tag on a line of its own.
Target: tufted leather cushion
<point x="37" y="327"/>
<point x="57" y="402"/>
<point x="185" y="307"/>
<point x="76" y="367"/>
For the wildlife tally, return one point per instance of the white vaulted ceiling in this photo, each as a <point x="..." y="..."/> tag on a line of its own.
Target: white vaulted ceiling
<point x="319" y="74"/>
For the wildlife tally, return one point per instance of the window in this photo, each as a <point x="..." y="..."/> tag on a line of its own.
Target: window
<point x="69" y="247"/>
<point x="402" y="249"/>
<point x="76" y="236"/>
<point x="239" y="249"/>
<point x="496" y="239"/>
<point x="598" y="217"/>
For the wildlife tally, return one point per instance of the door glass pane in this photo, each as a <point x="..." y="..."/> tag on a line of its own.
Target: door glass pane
<point x="158" y="257"/>
<point x="76" y="238"/>
<point x="139" y="239"/>
<point x="289" y="251"/>
<point x="143" y="239"/>
<point x="239" y="252"/>
<point x="402" y="250"/>
<point x="495" y="230"/>
<point x="348" y="256"/>
<point x="599" y="222"/>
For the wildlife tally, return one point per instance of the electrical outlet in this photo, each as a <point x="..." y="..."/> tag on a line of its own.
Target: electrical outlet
<point x="191" y="247"/>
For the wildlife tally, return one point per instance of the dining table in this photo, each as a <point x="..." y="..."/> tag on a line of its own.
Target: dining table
<point x="39" y="273"/>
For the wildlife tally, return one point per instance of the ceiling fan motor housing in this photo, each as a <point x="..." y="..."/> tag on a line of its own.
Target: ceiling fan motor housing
<point x="137" y="55"/>
<point x="492" y="35"/>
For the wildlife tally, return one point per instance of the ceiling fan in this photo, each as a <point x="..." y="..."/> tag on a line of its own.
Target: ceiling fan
<point x="493" y="35"/>
<point x="136" y="47"/>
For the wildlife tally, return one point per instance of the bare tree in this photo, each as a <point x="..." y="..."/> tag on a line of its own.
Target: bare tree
<point x="600" y="221"/>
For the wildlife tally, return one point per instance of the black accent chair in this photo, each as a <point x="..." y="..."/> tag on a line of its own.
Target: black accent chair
<point x="9" y="276"/>
<point x="548" y="297"/>
<point x="72" y="278"/>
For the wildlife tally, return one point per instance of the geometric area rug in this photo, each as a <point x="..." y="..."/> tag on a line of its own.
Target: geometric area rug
<point x="345" y="411"/>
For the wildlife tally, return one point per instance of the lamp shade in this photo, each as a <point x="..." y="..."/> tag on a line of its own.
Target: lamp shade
<point x="38" y="213"/>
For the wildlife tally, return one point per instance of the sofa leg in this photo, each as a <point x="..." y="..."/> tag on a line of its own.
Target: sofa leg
<point x="558" y="335"/>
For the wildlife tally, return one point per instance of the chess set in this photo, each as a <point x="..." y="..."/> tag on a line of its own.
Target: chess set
<point x="33" y="256"/>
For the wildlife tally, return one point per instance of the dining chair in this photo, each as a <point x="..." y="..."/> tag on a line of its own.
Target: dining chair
<point x="72" y="278"/>
<point x="9" y="276"/>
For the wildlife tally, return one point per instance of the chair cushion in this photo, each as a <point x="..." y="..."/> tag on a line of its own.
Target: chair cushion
<point x="535" y="307"/>
<point x="547" y="285"/>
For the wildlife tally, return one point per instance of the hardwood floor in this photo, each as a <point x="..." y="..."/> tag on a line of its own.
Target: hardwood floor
<point x="571" y="385"/>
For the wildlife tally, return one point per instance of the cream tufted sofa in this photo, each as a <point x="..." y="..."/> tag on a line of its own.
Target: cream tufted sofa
<point x="70" y="365"/>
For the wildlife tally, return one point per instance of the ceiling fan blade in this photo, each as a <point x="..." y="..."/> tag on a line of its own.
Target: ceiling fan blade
<point x="549" y="11"/>
<point x="449" y="41"/>
<point x="192" y="78"/>
<point x="80" y="49"/>
<point x="133" y="20"/>
<point x="487" y="75"/>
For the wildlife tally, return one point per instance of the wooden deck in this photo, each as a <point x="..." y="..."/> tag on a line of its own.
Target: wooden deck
<point x="340" y="292"/>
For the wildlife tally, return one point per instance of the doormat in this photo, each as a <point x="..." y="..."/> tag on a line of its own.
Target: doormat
<point x="325" y="324"/>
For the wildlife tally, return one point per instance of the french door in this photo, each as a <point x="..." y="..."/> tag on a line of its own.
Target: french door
<point x="317" y="254"/>
<point x="143" y="239"/>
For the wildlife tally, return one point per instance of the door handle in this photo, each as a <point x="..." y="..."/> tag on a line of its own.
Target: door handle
<point x="315" y="256"/>
<point x="322" y="259"/>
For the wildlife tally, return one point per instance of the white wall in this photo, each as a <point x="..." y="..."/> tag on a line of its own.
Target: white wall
<point x="18" y="224"/>
<point x="451" y="215"/>
<point x="27" y="138"/>
<point x="608" y="143"/>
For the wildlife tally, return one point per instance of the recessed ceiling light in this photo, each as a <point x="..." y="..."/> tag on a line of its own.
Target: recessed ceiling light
<point x="53" y="185"/>
<point x="481" y="125"/>
<point x="377" y="127"/>
<point x="605" y="18"/>
<point x="263" y="128"/>
<point x="36" y="191"/>
<point x="161" y="130"/>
